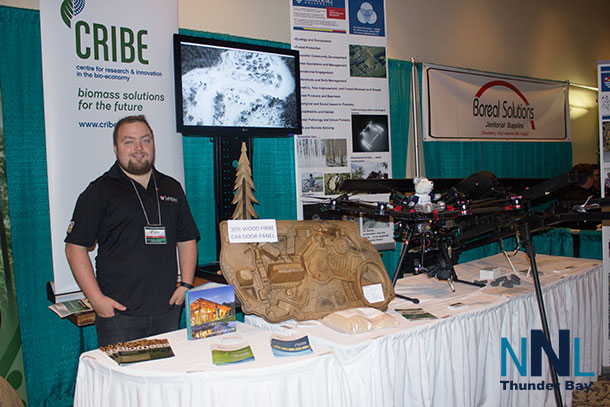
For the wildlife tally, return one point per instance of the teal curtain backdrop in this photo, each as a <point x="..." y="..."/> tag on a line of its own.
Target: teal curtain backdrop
<point x="456" y="159"/>
<point x="51" y="346"/>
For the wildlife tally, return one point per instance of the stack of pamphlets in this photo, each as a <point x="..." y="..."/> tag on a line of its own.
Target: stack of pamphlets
<point x="63" y="309"/>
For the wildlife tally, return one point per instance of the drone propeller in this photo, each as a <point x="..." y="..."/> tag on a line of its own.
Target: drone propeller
<point x="326" y="198"/>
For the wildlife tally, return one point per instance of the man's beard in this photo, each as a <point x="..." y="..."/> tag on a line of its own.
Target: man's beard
<point x="138" y="168"/>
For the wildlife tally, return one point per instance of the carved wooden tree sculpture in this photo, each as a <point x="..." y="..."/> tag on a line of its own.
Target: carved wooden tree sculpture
<point x="244" y="189"/>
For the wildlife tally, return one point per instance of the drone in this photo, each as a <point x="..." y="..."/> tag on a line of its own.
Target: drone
<point x="470" y="213"/>
<point x="475" y="211"/>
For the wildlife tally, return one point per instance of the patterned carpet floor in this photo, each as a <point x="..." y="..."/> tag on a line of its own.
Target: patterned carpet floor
<point x="599" y="395"/>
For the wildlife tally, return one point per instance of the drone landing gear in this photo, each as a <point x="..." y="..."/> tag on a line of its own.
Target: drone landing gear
<point x="404" y="297"/>
<point x="399" y="272"/>
<point x="453" y="275"/>
<point x="434" y="261"/>
<point x="475" y="283"/>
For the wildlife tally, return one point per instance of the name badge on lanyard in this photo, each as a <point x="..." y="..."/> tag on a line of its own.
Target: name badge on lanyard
<point x="154" y="234"/>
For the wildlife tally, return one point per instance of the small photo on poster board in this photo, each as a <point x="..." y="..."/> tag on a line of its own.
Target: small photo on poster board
<point x="333" y="182"/>
<point x="367" y="61"/>
<point x="364" y="169"/>
<point x="312" y="182"/>
<point x="370" y="133"/>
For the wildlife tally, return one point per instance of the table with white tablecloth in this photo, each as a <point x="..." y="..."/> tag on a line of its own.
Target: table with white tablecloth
<point x="191" y="379"/>
<point x="455" y="360"/>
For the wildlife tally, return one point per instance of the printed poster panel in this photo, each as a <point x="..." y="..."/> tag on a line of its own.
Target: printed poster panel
<point x="460" y="104"/>
<point x="603" y="97"/>
<point x="102" y="60"/>
<point x="345" y="102"/>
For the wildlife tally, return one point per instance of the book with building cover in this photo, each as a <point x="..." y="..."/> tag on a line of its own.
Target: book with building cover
<point x="210" y="310"/>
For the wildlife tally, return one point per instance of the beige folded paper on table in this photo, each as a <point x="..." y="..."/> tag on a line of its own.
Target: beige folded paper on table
<point x="359" y="320"/>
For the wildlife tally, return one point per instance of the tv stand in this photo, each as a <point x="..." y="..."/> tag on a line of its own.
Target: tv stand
<point x="227" y="149"/>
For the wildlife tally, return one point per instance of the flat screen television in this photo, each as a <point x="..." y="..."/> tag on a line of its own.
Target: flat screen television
<point x="225" y="87"/>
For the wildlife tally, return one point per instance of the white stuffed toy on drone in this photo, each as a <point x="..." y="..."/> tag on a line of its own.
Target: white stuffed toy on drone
<point x="423" y="200"/>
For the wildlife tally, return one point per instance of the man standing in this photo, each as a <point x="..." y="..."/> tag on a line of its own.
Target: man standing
<point x="138" y="217"/>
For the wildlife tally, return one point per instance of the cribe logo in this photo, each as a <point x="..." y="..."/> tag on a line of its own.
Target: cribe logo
<point x="100" y="42"/>
<point x="69" y="9"/>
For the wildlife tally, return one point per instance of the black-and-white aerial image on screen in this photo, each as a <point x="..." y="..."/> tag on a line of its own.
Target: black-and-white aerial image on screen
<point x="226" y="87"/>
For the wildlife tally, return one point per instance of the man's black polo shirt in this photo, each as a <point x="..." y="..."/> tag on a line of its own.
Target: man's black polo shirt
<point x="140" y="276"/>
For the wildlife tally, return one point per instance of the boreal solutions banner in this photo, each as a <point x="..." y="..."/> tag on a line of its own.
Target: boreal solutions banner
<point x="460" y="104"/>
<point x="102" y="60"/>
<point x="345" y="101"/>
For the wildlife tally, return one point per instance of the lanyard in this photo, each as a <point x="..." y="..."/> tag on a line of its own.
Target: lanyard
<point x="142" y="204"/>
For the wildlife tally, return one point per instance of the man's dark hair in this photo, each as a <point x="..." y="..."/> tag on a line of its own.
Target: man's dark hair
<point x="126" y="120"/>
<point x="583" y="168"/>
<point x="584" y="171"/>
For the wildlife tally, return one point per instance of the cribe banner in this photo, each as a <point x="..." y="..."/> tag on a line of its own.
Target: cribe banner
<point x="102" y="60"/>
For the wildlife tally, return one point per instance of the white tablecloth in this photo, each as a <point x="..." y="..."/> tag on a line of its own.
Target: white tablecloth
<point x="190" y="378"/>
<point x="456" y="359"/>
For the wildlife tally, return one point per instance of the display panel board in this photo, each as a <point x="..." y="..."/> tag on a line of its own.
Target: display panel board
<point x="345" y="100"/>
